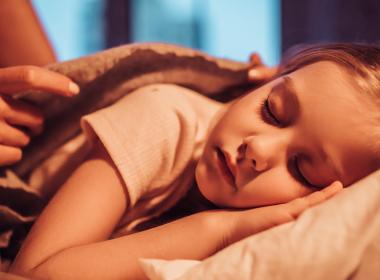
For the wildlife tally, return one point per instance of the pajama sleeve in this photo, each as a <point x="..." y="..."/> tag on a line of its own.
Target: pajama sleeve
<point x="150" y="135"/>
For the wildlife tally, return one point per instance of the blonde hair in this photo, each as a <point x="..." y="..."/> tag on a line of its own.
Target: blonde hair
<point x="361" y="61"/>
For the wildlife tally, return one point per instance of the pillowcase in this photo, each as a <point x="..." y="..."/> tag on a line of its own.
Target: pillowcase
<point x="338" y="239"/>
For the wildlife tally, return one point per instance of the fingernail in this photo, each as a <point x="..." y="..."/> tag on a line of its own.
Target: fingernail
<point x="254" y="74"/>
<point x="74" y="88"/>
<point x="334" y="188"/>
<point x="338" y="185"/>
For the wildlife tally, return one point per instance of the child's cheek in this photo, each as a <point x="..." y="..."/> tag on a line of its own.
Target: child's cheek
<point x="273" y="186"/>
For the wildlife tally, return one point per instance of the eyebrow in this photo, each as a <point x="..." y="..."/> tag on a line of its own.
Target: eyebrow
<point x="292" y="94"/>
<point x="289" y="83"/>
<point x="290" y="97"/>
<point x="291" y="89"/>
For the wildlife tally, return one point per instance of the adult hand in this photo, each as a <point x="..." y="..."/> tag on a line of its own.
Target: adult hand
<point x="248" y="222"/>
<point x="18" y="120"/>
<point x="258" y="72"/>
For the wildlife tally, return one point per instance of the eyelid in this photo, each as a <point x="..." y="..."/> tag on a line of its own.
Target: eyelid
<point x="285" y="101"/>
<point x="299" y="175"/>
<point x="268" y="114"/>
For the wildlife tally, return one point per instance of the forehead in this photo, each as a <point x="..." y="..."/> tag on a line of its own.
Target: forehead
<point x="325" y="88"/>
<point x="325" y="91"/>
<point x="326" y="77"/>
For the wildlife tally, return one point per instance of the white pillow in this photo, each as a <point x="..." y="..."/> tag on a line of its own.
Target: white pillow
<point x="334" y="240"/>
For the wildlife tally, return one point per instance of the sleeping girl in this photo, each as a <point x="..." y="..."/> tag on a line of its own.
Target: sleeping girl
<point x="231" y="170"/>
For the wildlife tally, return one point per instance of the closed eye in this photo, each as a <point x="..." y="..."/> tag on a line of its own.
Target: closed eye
<point x="268" y="115"/>
<point x="298" y="175"/>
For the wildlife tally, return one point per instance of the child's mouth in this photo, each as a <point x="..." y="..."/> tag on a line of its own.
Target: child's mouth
<point x="225" y="170"/>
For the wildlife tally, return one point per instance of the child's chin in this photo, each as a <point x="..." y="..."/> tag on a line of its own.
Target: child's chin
<point x="200" y="182"/>
<point x="203" y="187"/>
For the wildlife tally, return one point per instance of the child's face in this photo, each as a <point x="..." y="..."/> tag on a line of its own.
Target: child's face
<point x="314" y="128"/>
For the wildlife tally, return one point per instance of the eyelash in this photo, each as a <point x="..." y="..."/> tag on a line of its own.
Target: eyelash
<point x="298" y="174"/>
<point x="269" y="117"/>
<point x="267" y="114"/>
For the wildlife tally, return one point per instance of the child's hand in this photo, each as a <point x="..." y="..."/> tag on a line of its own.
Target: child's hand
<point x="252" y="221"/>
<point x="19" y="120"/>
<point x="258" y="71"/>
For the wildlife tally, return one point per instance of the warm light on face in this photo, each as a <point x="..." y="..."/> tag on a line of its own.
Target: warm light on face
<point x="286" y="139"/>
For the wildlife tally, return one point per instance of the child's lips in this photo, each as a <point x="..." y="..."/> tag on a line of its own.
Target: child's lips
<point x="230" y="165"/>
<point x="226" y="162"/>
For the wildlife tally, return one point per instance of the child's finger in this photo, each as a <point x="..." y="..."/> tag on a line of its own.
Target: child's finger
<point x="316" y="198"/>
<point x="333" y="189"/>
<point x="322" y="195"/>
<point x="297" y="206"/>
<point x="21" y="78"/>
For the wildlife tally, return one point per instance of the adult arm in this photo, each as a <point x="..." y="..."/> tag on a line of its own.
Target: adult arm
<point x="23" y="40"/>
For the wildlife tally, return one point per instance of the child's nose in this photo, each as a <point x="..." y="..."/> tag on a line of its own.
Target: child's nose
<point x="262" y="152"/>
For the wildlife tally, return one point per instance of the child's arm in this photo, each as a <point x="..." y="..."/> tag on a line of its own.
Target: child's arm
<point x="69" y="240"/>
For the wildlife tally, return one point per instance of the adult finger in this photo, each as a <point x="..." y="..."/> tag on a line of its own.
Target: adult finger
<point x="21" y="78"/>
<point x="19" y="113"/>
<point x="255" y="60"/>
<point x="11" y="136"/>
<point x="9" y="155"/>
<point x="261" y="73"/>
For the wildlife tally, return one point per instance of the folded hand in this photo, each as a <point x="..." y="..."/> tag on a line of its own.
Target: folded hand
<point x="248" y="222"/>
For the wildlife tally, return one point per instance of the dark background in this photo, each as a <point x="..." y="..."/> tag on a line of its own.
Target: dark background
<point x="312" y="21"/>
<point x="302" y="21"/>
